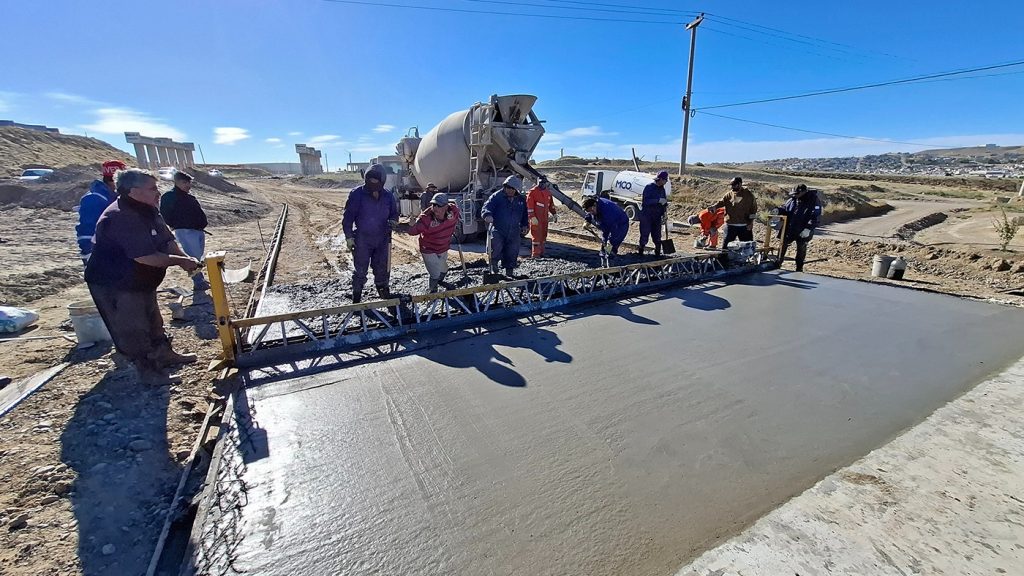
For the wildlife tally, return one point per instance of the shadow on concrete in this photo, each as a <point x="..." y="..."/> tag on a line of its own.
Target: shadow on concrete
<point x="116" y="442"/>
<point x="491" y="363"/>
<point x="624" y="309"/>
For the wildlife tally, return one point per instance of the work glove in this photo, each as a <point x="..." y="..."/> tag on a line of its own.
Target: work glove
<point x="554" y="218"/>
<point x="393" y="224"/>
<point x="663" y="201"/>
<point x="590" y="218"/>
<point x="806" y="233"/>
<point x="534" y="221"/>
<point x="489" y="219"/>
<point x="524" y="231"/>
<point x="351" y="244"/>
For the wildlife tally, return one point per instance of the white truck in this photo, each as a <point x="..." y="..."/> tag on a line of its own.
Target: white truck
<point x="625" y="187"/>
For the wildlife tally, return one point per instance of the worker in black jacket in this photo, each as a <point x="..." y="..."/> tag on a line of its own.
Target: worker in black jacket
<point x="182" y="212"/>
<point x="802" y="211"/>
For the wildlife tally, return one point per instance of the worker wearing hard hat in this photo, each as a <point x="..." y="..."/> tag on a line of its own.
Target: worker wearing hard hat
<point x="740" y="211"/>
<point x="802" y="211"/>
<point x="652" y="212"/>
<point x="505" y="214"/>
<point x="101" y="194"/>
<point x="540" y="208"/>
<point x="435" y="227"/>
<point x="610" y="218"/>
<point x="710" y="222"/>
<point x="371" y="213"/>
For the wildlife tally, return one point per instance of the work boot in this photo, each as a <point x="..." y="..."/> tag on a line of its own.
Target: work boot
<point x="657" y="252"/>
<point x="640" y="251"/>
<point x="510" y="273"/>
<point x="357" y="294"/>
<point x="383" y="291"/>
<point x="433" y="286"/>
<point x="165" y="357"/>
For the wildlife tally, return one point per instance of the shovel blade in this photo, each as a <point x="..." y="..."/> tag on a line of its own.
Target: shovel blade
<point x="668" y="246"/>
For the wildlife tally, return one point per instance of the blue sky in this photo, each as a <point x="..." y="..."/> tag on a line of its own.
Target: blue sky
<point x="247" y="79"/>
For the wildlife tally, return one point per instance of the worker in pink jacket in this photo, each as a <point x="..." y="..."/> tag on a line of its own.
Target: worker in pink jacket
<point x="435" y="227"/>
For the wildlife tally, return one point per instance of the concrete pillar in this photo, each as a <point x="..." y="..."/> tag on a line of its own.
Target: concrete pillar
<point x="188" y="158"/>
<point x="165" y="160"/>
<point x="179" y="157"/>
<point x="154" y="159"/>
<point x="140" y="156"/>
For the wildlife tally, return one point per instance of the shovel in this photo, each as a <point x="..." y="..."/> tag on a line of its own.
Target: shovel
<point x="667" y="245"/>
<point x="491" y="277"/>
<point x="462" y="259"/>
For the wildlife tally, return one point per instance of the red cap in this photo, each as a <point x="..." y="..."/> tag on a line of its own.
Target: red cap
<point x="112" y="166"/>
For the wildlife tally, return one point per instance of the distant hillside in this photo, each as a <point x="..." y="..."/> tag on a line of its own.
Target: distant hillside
<point x="21" y="148"/>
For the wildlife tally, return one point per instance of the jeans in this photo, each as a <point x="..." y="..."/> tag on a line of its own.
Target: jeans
<point x="193" y="243"/>
<point x="733" y="232"/>
<point x="133" y="320"/>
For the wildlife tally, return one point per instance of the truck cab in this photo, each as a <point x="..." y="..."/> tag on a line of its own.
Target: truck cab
<point x="624" y="187"/>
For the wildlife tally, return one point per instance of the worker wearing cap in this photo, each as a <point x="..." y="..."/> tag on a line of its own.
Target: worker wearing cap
<point x="740" y="211"/>
<point x="505" y="214"/>
<point x="652" y="212"/>
<point x="710" y="222"/>
<point x="371" y="214"/>
<point x="540" y="208"/>
<point x="802" y="211"/>
<point x="610" y="218"/>
<point x="182" y="212"/>
<point x="133" y="250"/>
<point x="427" y="196"/>
<point x="435" y="227"/>
<point x="101" y="194"/>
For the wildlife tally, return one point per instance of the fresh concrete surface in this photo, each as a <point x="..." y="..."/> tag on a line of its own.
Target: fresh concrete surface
<point x="946" y="497"/>
<point x="624" y="440"/>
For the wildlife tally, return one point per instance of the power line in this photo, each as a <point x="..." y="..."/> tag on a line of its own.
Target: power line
<point x="813" y="131"/>
<point x="815" y="45"/>
<point x="769" y="43"/>
<point x="495" y="13"/>
<point x="866" y="86"/>
<point x="669" y="10"/>
<point x="734" y="20"/>
<point x="636" y="11"/>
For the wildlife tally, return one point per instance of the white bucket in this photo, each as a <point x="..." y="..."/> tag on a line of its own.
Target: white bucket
<point x="88" y="323"/>
<point x="880" y="265"/>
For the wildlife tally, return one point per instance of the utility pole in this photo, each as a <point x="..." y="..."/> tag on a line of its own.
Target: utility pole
<point x="692" y="27"/>
<point x="327" y="163"/>
<point x="201" y="155"/>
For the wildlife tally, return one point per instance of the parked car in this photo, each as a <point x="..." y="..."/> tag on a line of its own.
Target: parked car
<point x="167" y="173"/>
<point x="33" y="174"/>
<point x="216" y="173"/>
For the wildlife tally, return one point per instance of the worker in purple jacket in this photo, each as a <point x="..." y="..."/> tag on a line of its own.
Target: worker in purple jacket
<point x="371" y="214"/>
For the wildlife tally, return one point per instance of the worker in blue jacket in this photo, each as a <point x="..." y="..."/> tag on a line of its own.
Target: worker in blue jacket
<point x="652" y="212"/>
<point x="371" y="214"/>
<point x="505" y="215"/>
<point x="802" y="211"/>
<point x="102" y="193"/>
<point x="610" y="218"/>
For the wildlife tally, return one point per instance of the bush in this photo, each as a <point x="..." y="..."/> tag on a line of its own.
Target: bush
<point x="1005" y="228"/>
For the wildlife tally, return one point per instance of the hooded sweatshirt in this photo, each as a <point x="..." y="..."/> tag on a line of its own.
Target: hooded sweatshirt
<point x="365" y="218"/>
<point x="89" y="209"/>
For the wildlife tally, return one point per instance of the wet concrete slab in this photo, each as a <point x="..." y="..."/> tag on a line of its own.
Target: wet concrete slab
<point x="622" y="439"/>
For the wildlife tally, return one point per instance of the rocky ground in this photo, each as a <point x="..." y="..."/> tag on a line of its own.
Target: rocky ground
<point x="90" y="460"/>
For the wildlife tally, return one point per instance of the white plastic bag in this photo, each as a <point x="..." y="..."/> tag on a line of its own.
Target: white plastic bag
<point x="16" y="319"/>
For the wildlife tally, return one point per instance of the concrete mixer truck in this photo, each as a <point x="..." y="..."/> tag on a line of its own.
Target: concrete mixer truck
<point x="469" y="154"/>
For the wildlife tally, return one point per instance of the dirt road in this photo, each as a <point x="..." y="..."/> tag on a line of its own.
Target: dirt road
<point x="973" y="229"/>
<point x="883" y="228"/>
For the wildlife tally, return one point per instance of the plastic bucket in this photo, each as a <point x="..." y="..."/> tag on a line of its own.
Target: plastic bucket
<point x="881" y="265"/>
<point x="897" y="268"/>
<point x="88" y="323"/>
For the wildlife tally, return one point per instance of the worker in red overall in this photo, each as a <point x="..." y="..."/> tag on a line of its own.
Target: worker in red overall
<point x="710" y="223"/>
<point x="539" y="206"/>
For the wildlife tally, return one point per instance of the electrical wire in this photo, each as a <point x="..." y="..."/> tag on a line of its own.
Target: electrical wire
<point x="709" y="28"/>
<point x="867" y="86"/>
<point x="587" y="10"/>
<point x="799" y="41"/>
<point x="832" y="134"/>
<point x="670" y="10"/>
<point x="496" y="13"/>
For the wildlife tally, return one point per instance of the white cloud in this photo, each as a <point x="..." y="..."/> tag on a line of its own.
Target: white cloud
<point x="273" y="140"/>
<point x="324" y="138"/>
<point x="120" y="120"/>
<point x="73" y="99"/>
<point x="5" y="101"/>
<point x="581" y="132"/>
<point x="295" y="133"/>
<point x="370" y="150"/>
<point x="229" y="136"/>
<point x="383" y="128"/>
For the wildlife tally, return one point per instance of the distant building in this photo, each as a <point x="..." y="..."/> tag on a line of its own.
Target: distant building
<point x="357" y="166"/>
<point x="38" y="127"/>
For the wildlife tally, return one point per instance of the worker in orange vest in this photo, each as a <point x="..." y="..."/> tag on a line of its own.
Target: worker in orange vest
<point x="710" y="223"/>
<point x="539" y="206"/>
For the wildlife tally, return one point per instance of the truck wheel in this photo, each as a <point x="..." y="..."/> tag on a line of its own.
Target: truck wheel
<point x="632" y="212"/>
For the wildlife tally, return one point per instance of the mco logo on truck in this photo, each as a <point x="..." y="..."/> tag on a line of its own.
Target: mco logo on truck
<point x="624" y="184"/>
